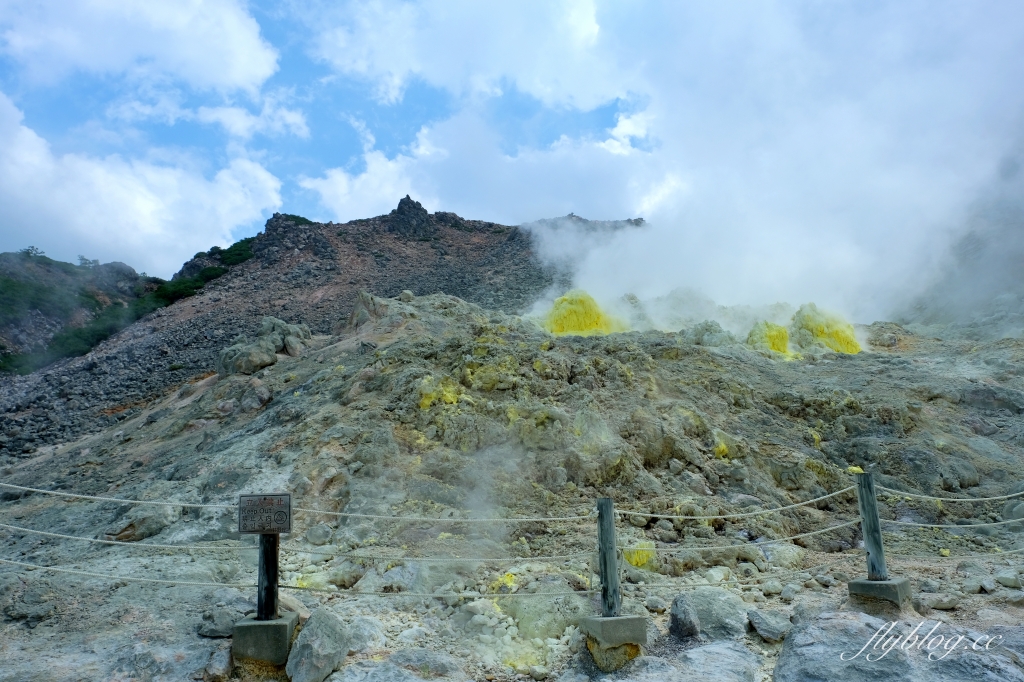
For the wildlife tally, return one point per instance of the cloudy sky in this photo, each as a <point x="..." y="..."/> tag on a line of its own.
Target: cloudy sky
<point x="776" y="149"/>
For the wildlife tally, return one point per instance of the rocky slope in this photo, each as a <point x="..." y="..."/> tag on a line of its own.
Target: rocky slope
<point x="435" y="407"/>
<point x="301" y="270"/>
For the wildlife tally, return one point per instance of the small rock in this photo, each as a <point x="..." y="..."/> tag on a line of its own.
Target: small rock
<point x="825" y="580"/>
<point x="366" y="633"/>
<point x="413" y="634"/>
<point x="675" y="466"/>
<point x="771" y="625"/>
<point x="772" y="586"/>
<point x="719" y="614"/>
<point x="683" y="620"/>
<point x="928" y="585"/>
<point x="426" y="662"/>
<point x="1008" y="577"/>
<point x="790" y="591"/>
<point x="319" y="534"/>
<point x="988" y="585"/>
<point x="219" y="622"/>
<point x="655" y="604"/>
<point x="538" y="672"/>
<point x="942" y="602"/>
<point x="972" y="585"/>
<point x="219" y="667"/>
<point x="637" y="521"/>
<point x="1016" y="599"/>
<point x="406" y="296"/>
<point x="745" y="569"/>
<point x="717" y="574"/>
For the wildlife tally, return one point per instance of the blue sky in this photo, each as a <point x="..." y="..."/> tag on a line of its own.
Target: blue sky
<point x="773" y="147"/>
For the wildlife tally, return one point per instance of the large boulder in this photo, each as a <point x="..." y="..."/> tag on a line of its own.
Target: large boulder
<point x="246" y="357"/>
<point x="320" y="648"/>
<point x="841" y="647"/>
<point x="716" y="612"/>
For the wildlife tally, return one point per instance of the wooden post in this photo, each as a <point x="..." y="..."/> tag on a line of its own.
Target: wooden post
<point x="871" y="528"/>
<point x="266" y="589"/>
<point x="611" y="597"/>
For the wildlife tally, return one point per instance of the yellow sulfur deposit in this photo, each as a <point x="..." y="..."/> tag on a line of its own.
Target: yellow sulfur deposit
<point x="812" y="326"/>
<point x="641" y="554"/>
<point x="432" y="391"/>
<point x="769" y="336"/>
<point x="578" y="314"/>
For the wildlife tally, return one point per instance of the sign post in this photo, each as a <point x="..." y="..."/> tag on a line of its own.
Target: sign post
<point x="269" y="516"/>
<point x="267" y="637"/>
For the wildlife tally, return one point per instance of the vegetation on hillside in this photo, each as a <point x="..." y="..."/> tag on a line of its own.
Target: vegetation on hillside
<point x="18" y="297"/>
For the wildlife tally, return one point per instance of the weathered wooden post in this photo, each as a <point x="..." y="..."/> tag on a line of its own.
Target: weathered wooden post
<point x="878" y="584"/>
<point x="267" y="635"/>
<point x="611" y="595"/>
<point x="612" y="640"/>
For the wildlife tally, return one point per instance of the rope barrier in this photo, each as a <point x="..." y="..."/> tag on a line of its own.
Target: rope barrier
<point x="950" y="499"/>
<point x="191" y="583"/>
<point x="734" y="516"/>
<point x="949" y="525"/>
<point x="757" y="578"/>
<point x="242" y="548"/>
<point x="90" y="574"/>
<point x="19" y="529"/>
<point x="990" y="555"/>
<point x="430" y="519"/>
<point x="117" y="499"/>
<point x="757" y="544"/>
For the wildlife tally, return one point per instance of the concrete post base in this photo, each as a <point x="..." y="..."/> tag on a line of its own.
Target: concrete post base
<point x="264" y="640"/>
<point x="614" y="641"/>
<point x="896" y="590"/>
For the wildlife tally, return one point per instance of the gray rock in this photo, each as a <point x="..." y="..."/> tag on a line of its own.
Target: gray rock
<point x="320" y="648"/>
<point x="972" y="585"/>
<point x="366" y="633"/>
<point x="371" y="671"/>
<point x="720" y="662"/>
<point x="1008" y="577"/>
<point x="790" y="591"/>
<point x="219" y="667"/>
<point x="319" y="534"/>
<point x="427" y="662"/>
<point x="256" y="396"/>
<point x="772" y="586"/>
<point x="720" y="614"/>
<point x="942" y="602"/>
<point x="219" y="622"/>
<point x="683" y="620"/>
<point x="655" y="604"/>
<point x="829" y="647"/>
<point x="771" y="625"/>
<point x="406" y="296"/>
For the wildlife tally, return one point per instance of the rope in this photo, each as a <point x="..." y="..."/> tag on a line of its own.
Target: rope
<point x="243" y="548"/>
<point x="440" y="595"/>
<point x="119" y="577"/>
<point x="19" y="529"/>
<point x="190" y="583"/>
<point x="950" y="499"/>
<point x="950" y="525"/>
<point x="756" y="578"/>
<point x="758" y="544"/>
<point x="990" y="555"/>
<point x="301" y="509"/>
<point x="455" y="560"/>
<point x="117" y="499"/>
<point x="735" y="516"/>
<point x="436" y="520"/>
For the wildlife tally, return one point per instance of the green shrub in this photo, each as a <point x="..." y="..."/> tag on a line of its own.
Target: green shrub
<point x="297" y="219"/>
<point x="239" y="252"/>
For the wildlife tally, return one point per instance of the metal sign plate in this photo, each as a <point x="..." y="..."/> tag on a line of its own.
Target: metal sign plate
<point x="265" y="514"/>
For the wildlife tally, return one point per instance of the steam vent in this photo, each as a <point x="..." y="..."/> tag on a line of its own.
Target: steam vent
<point x="425" y="418"/>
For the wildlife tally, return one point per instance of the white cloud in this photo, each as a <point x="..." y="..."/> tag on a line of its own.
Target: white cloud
<point x="209" y="44"/>
<point x="151" y="216"/>
<point x="378" y="188"/>
<point x="272" y="120"/>
<point x="551" y="50"/>
<point x="787" y="150"/>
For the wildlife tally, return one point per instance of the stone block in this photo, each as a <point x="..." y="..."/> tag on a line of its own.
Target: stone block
<point x="896" y="590"/>
<point x="615" y="630"/>
<point x="264" y="640"/>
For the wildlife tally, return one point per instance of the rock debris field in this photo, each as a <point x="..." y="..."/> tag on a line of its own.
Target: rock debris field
<point x="466" y="419"/>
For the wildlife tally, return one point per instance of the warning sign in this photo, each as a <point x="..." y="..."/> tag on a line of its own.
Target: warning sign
<point x="271" y="513"/>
